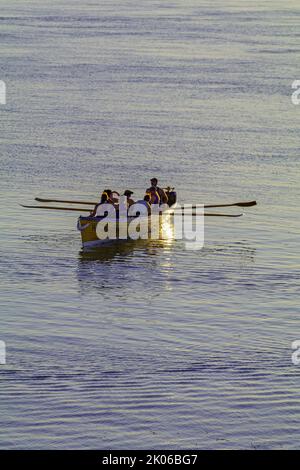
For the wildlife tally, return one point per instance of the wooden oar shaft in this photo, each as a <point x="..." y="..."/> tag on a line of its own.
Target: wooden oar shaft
<point x="207" y="214"/>
<point x="210" y="206"/>
<point x="90" y="203"/>
<point x="77" y="209"/>
<point x="195" y="214"/>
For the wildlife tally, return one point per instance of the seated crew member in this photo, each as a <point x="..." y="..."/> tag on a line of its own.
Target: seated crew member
<point x="129" y="200"/>
<point x="146" y="202"/>
<point x="162" y="195"/>
<point x="109" y="195"/>
<point x="104" y="200"/>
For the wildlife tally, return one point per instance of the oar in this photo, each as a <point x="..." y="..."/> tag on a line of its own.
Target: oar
<point x="39" y="199"/>
<point x="58" y="208"/>
<point x="207" y="214"/>
<point x="206" y="206"/>
<point x="239" y="204"/>
<point x="78" y="209"/>
<point x="215" y="215"/>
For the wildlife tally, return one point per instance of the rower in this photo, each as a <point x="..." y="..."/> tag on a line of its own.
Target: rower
<point x="154" y="196"/>
<point x="104" y="200"/>
<point x="110" y="197"/>
<point x="129" y="200"/>
<point x="146" y="202"/>
<point x="163" y="198"/>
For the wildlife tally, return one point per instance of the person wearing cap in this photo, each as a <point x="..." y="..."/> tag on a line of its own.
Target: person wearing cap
<point x="163" y="198"/>
<point x="128" y="194"/>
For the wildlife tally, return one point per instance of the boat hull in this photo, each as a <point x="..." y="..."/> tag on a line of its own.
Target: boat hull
<point x="91" y="238"/>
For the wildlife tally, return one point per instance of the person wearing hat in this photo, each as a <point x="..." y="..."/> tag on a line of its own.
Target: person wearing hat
<point x="128" y="194"/>
<point x="163" y="198"/>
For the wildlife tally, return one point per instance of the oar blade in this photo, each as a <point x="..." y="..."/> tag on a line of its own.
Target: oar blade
<point x="246" y="204"/>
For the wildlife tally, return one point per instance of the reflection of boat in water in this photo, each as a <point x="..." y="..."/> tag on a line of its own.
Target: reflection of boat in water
<point x="124" y="268"/>
<point x="119" y="250"/>
<point x="119" y="225"/>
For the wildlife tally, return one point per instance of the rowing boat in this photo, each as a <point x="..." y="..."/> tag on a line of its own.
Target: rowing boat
<point x="119" y="224"/>
<point x="121" y="221"/>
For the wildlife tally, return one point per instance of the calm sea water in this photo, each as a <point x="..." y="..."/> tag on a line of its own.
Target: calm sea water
<point x="150" y="346"/>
